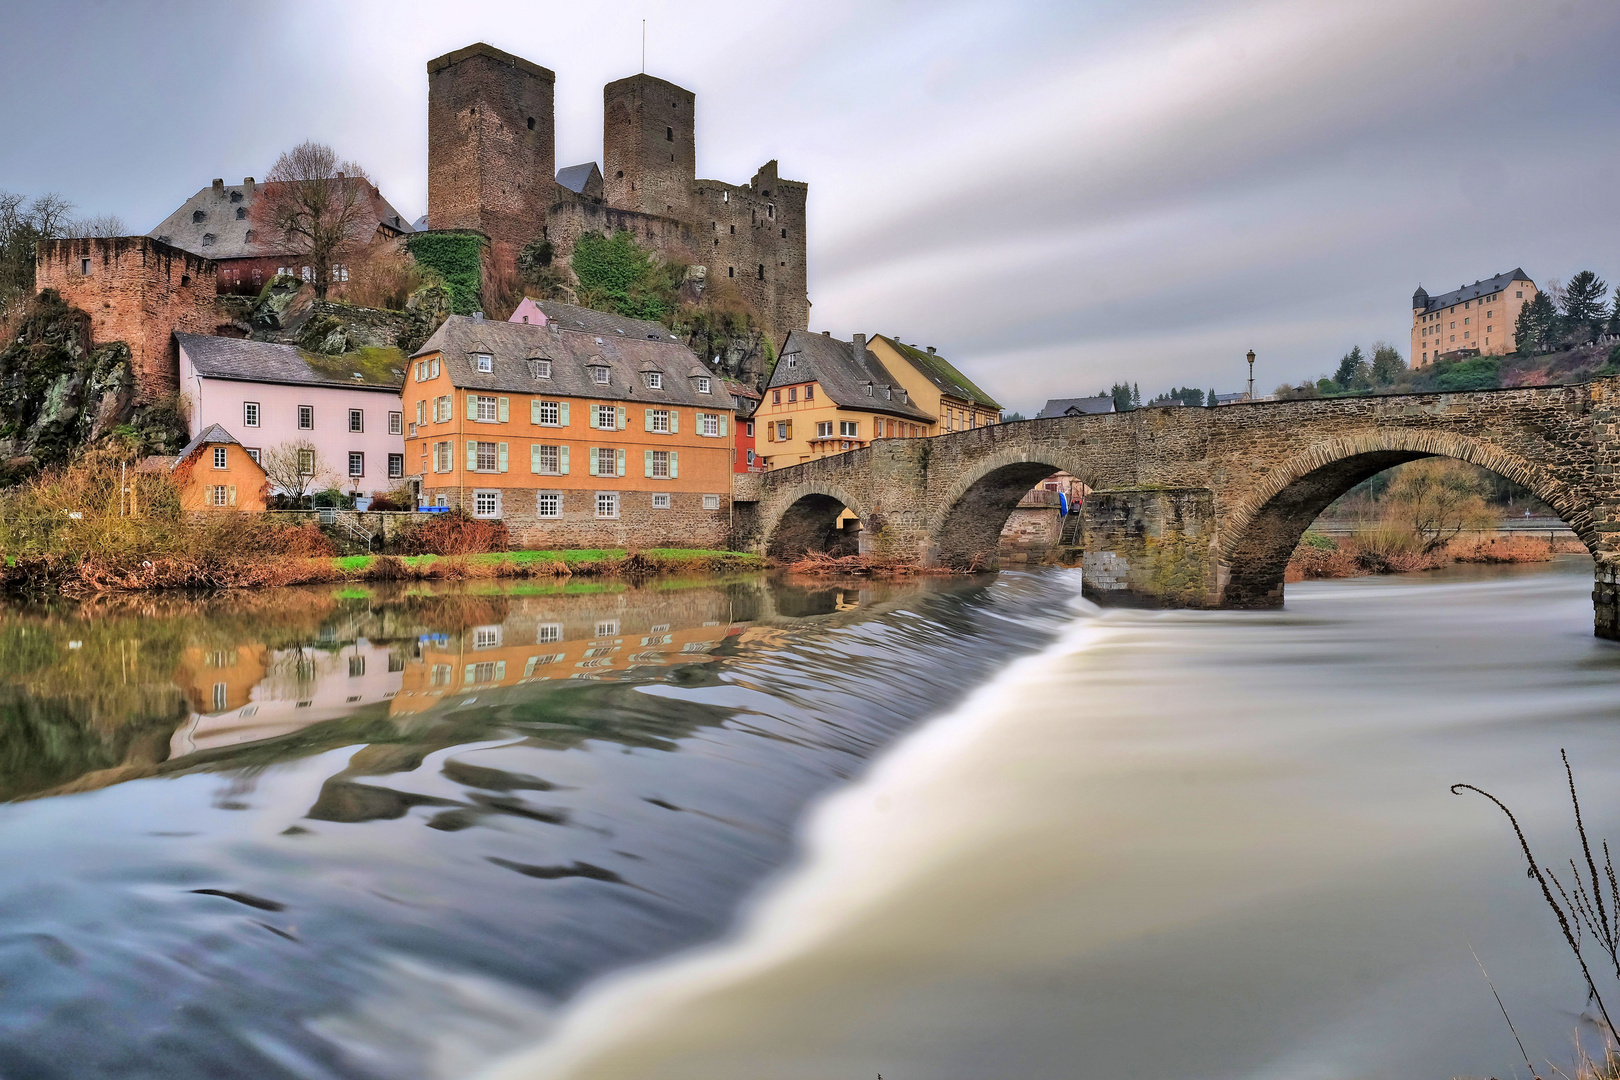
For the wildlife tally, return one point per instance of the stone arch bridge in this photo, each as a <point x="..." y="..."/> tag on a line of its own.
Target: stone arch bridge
<point x="1200" y="507"/>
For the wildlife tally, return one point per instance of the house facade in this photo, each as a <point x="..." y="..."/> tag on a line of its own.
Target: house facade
<point x="828" y="396"/>
<point x="935" y="386"/>
<point x="573" y="439"/>
<point x="214" y="474"/>
<point x="346" y="410"/>
<point x="1474" y="320"/>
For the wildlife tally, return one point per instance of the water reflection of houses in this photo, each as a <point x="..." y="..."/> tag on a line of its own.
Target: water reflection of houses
<point x="559" y="638"/>
<point x="246" y="693"/>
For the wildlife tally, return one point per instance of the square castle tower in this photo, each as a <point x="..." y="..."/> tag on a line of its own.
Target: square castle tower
<point x="492" y="168"/>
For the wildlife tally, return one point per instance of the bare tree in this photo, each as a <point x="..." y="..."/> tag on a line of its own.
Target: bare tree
<point x="24" y="223"/>
<point x="296" y="468"/>
<point x="316" y="206"/>
<point x="1438" y="498"/>
<point x="100" y="225"/>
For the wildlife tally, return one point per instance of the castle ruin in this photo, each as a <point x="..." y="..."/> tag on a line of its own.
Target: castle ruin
<point x="492" y="168"/>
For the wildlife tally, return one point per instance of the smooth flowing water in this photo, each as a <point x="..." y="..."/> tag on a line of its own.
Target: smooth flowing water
<point x="969" y="828"/>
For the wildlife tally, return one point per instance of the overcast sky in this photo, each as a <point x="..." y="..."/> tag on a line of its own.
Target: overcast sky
<point x="1057" y="196"/>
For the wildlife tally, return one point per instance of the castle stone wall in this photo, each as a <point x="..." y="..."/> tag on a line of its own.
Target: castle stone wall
<point x="649" y="146"/>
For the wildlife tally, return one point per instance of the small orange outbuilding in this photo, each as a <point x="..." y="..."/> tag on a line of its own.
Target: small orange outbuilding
<point x="214" y="472"/>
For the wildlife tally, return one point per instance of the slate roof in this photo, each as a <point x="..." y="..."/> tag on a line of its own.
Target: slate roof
<point x="267" y="362"/>
<point x="571" y="353"/>
<point x="939" y="371"/>
<point x="1472" y="292"/>
<point x="589" y="321"/>
<point x="746" y="396"/>
<point x="575" y="177"/>
<point x="831" y="364"/>
<point x="1082" y="406"/>
<point x="229" y="233"/>
<point x="212" y="435"/>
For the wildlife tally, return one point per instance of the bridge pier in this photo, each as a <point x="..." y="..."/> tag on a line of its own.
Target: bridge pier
<point x="1149" y="547"/>
<point x="1606" y="598"/>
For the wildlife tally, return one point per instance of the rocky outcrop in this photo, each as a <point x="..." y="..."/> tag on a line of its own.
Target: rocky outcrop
<point x="287" y="312"/>
<point x="60" y="391"/>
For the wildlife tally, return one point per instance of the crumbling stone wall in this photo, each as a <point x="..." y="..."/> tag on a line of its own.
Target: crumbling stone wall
<point x="1248" y="478"/>
<point x="138" y="291"/>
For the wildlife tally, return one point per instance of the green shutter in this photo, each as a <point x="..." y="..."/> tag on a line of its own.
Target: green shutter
<point x="472" y="455"/>
<point x="722" y="425"/>
<point x="500" y="456"/>
<point x="500" y="670"/>
<point x="562" y="460"/>
<point x="646" y="415"/>
<point x="674" y="421"/>
<point x="562" y="414"/>
<point x="590" y="456"/>
<point x="472" y="407"/>
<point x="534" y="457"/>
<point x="503" y="409"/>
<point x="534" y="410"/>
<point x="674" y="464"/>
<point x="591" y="412"/>
<point x="624" y="418"/>
<point x="646" y="460"/>
<point x="619" y="456"/>
<point x="469" y="674"/>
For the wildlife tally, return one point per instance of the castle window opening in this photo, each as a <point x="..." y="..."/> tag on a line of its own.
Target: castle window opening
<point x="185" y="279"/>
<point x="84" y="267"/>
<point x="762" y="271"/>
<point x="619" y="175"/>
<point x="669" y="134"/>
<point x="731" y="271"/>
<point x="734" y="230"/>
<point x="784" y="234"/>
<point x="725" y="197"/>
<point x="770" y="211"/>
<point x="531" y="123"/>
<point x="198" y="217"/>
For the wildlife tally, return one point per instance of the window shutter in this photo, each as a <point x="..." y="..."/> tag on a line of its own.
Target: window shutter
<point x="472" y="455"/>
<point x="646" y="460"/>
<point x="500" y="456"/>
<point x="562" y="414"/>
<point x="674" y="421"/>
<point x="534" y="410"/>
<point x="646" y="415"/>
<point x="619" y="454"/>
<point x="722" y="425"/>
<point x="230" y="495"/>
<point x="472" y="407"/>
<point x="674" y="464"/>
<point x="591" y="411"/>
<point x="789" y="434"/>
<point x="623" y="417"/>
<point x="471" y="668"/>
<point x="500" y="670"/>
<point x="590" y="454"/>
<point x="503" y="409"/>
<point x="770" y="432"/>
<point x="534" y="457"/>
<point x="562" y="460"/>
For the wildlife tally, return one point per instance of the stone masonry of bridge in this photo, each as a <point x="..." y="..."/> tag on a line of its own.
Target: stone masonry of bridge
<point x="1200" y="507"/>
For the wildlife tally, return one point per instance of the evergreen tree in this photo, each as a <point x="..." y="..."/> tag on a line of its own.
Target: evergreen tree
<point x="1136" y="395"/>
<point x="1209" y="398"/>
<point x="1536" y="323"/>
<point x="1350" y="365"/>
<point x="1387" y="364"/>
<point x="1614" y="312"/>
<point x="1584" y="303"/>
<point x="1121" y="393"/>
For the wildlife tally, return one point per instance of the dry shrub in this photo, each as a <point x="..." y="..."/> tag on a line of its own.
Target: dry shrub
<point x="304" y="541"/>
<point x="821" y="564"/>
<point x="388" y="568"/>
<point x="383" y="276"/>
<point x="502" y="288"/>
<point x="1501" y="549"/>
<point x="1391" y="549"/>
<point x="1314" y="562"/>
<point x="455" y="533"/>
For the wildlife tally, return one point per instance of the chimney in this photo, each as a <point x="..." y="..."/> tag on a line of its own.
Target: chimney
<point x="930" y="350"/>
<point x="219" y="186"/>
<point x="860" y="347"/>
<point x="826" y="333"/>
<point x="247" y="186"/>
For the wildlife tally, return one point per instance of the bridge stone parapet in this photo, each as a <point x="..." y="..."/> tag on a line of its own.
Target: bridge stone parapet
<point x="1203" y="507"/>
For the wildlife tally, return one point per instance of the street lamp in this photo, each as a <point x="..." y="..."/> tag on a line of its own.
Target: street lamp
<point x="1251" y="374"/>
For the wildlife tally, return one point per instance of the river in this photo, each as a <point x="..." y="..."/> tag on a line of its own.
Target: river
<point x="947" y="829"/>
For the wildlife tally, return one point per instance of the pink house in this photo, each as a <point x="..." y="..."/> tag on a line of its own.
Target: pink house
<point x="528" y="312"/>
<point x="273" y="394"/>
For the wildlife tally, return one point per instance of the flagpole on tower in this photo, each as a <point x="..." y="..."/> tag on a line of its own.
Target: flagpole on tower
<point x="644" y="46"/>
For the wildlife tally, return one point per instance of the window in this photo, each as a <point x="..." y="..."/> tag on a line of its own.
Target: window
<point x="357" y="463"/>
<point x="548" y="413"/>
<point x="810" y="392"/>
<point x="1518" y="294"/>
<point x="782" y="430"/>
<point x="703" y="384"/>
<point x="607" y="628"/>
<point x="250" y="414"/>
<point x="750" y="457"/>
<point x="607" y="417"/>
<point x="221" y="697"/>
<point x="762" y="271"/>
<point x="658" y="421"/>
<point x="485" y="408"/>
<point x="599" y="375"/>
<point x="709" y="424"/>
<point x="198" y="217"/>
<point x="824" y="429"/>
<point x="306" y="417"/>
<point x="484" y="362"/>
<point x="793" y="394"/>
<point x="253" y="452"/>
<point x="84" y="267"/>
<point x="548" y="633"/>
<point x="396" y="423"/>
<point x="849" y="429"/>
<point x="655" y="380"/>
<point x="669" y="134"/>
<point x="306" y="463"/>
<point x="792" y="359"/>
<point x="396" y="466"/>
<point x="441" y="457"/>
<point x="357" y="420"/>
<point x="484" y="456"/>
<point x="658" y="464"/>
<point x="486" y="637"/>
<point x="606" y="461"/>
<point x="711" y="502"/>
<point x="548" y="504"/>
<point x="776" y="397"/>
<point x="607" y="506"/>
<point x="539" y="369"/>
<point x="731" y="271"/>
<point x="661" y="501"/>
<point x="220" y="494"/>
<point x="749" y="427"/>
<point x="486" y="504"/>
<point x="219" y="457"/>
<point x="547" y="460"/>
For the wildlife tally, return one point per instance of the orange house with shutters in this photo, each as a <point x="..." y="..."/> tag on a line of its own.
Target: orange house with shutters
<point x="573" y="439"/>
<point x="214" y="473"/>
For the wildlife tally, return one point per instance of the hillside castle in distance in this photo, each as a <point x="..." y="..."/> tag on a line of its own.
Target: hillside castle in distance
<point x="492" y="167"/>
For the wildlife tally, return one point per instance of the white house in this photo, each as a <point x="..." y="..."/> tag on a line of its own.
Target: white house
<point x="273" y="394"/>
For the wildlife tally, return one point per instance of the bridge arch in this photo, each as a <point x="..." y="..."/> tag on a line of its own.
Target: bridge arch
<point x="801" y="518"/>
<point x="1259" y="533"/>
<point x="965" y="530"/>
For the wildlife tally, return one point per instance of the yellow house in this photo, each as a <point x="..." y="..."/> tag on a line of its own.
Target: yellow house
<point x="827" y="396"/>
<point x="1473" y="320"/>
<point x="936" y="386"/>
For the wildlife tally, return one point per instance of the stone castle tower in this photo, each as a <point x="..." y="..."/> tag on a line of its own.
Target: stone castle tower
<point x="492" y="167"/>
